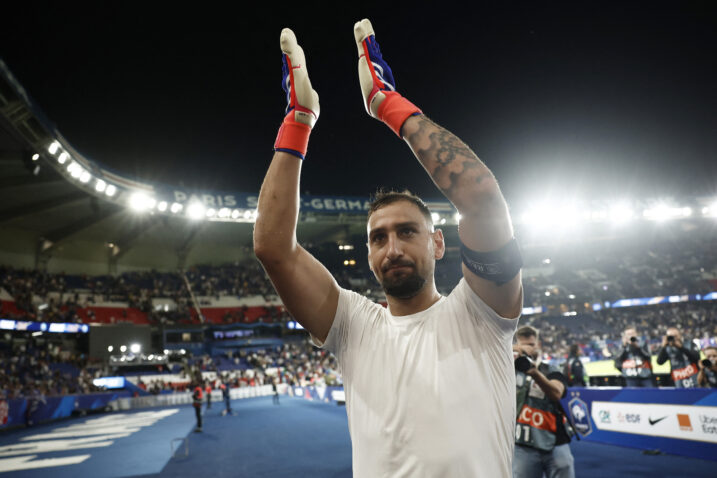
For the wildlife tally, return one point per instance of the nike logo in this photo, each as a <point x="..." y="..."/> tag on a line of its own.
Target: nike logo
<point x="652" y="422"/>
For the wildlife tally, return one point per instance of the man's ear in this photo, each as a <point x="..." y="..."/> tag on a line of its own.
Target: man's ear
<point x="439" y="244"/>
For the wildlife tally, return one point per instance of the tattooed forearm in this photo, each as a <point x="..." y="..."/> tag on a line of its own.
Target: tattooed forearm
<point x="453" y="166"/>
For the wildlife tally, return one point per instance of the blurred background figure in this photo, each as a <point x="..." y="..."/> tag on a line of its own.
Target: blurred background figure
<point x="634" y="360"/>
<point x="574" y="370"/>
<point x="707" y="376"/>
<point x="683" y="358"/>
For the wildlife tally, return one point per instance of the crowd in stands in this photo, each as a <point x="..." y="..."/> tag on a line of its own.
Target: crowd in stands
<point x="40" y="368"/>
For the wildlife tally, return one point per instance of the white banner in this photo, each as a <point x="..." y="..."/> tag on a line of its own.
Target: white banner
<point x="685" y="422"/>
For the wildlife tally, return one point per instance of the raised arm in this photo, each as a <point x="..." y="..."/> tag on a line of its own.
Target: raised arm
<point x="306" y="287"/>
<point x="485" y="227"/>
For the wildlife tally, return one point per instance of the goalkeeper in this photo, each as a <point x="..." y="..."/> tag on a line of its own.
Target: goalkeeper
<point x="429" y="380"/>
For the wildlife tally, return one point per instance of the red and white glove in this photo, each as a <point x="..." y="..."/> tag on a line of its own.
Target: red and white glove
<point x="377" y="84"/>
<point x="302" y="109"/>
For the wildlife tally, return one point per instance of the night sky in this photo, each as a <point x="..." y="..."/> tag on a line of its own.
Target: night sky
<point x="587" y="99"/>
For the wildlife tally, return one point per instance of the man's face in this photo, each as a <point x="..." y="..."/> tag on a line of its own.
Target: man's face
<point x="630" y="333"/>
<point x="402" y="249"/>
<point x="675" y="333"/>
<point x="711" y="354"/>
<point x="529" y="344"/>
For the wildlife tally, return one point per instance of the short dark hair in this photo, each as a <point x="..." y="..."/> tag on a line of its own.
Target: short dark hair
<point x="384" y="197"/>
<point x="526" y="332"/>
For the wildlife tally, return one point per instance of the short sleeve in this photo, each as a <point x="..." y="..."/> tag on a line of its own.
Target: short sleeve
<point x="337" y="339"/>
<point x="502" y="326"/>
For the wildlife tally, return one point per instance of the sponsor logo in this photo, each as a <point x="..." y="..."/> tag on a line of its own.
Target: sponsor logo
<point x="537" y="418"/>
<point x="684" y="422"/>
<point x="628" y="417"/>
<point x="580" y="416"/>
<point x="683" y="373"/>
<point x="657" y="420"/>
<point x="709" y="424"/>
<point x="604" y="416"/>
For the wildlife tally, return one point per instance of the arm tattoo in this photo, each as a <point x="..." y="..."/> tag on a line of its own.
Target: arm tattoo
<point x="446" y="158"/>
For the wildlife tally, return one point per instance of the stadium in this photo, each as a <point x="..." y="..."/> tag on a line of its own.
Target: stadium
<point x="141" y="336"/>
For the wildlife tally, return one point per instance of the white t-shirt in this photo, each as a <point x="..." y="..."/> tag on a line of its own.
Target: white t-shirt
<point x="430" y="394"/>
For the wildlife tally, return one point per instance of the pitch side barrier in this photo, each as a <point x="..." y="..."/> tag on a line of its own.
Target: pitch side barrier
<point x="674" y="421"/>
<point x="185" y="398"/>
<point x="21" y="411"/>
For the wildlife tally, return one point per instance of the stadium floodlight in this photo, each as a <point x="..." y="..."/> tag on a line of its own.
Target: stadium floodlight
<point x="135" y="348"/>
<point x="162" y="206"/>
<point x="166" y="351"/>
<point x="62" y="157"/>
<point x="571" y="296"/>
<point x="110" y="348"/>
<point x="77" y="172"/>
<point x="196" y="210"/>
<point x="662" y="212"/>
<point x="111" y="190"/>
<point x="225" y="212"/>
<point x="236" y="213"/>
<point x="621" y="213"/>
<point x="35" y="157"/>
<point x="457" y="217"/>
<point x="211" y="212"/>
<point x="85" y="177"/>
<point x="435" y="217"/>
<point x="123" y="348"/>
<point x="176" y="207"/>
<point x="100" y="186"/>
<point x="247" y="214"/>
<point x="141" y="202"/>
<point x="54" y="146"/>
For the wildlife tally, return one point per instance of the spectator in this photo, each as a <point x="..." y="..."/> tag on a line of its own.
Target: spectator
<point x="683" y="359"/>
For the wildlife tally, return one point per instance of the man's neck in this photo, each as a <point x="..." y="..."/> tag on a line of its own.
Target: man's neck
<point x="423" y="300"/>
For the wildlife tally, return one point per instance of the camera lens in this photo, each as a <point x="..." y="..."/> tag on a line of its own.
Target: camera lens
<point x="523" y="363"/>
<point x="707" y="363"/>
<point x="670" y="338"/>
<point x="633" y="339"/>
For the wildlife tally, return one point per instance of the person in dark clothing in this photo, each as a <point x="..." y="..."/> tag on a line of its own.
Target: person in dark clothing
<point x="275" y="397"/>
<point x="225" y="394"/>
<point x="683" y="358"/>
<point x="574" y="370"/>
<point x="197" y="402"/>
<point x="707" y="377"/>
<point x="208" y="390"/>
<point x="634" y="360"/>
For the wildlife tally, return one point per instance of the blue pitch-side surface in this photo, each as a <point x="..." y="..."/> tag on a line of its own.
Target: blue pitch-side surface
<point x="295" y="439"/>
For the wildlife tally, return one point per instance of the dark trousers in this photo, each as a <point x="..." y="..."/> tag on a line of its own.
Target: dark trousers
<point x="198" y="412"/>
<point x="638" y="382"/>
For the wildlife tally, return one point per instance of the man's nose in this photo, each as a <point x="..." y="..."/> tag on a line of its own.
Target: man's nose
<point x="394" y="247"/>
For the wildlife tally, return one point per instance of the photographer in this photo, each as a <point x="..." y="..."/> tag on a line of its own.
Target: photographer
<point x="707" y="376"/>
<point x="541" y="436"/>
<point x="634" y="360"/>
<point x="683" y="360"/>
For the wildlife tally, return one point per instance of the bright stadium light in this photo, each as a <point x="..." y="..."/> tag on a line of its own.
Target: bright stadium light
<point x="123" y="348"/>
<point x="100" y="186"/>
<point x="236" y="213"/>
<point x="110" y="348"/>
<point x="135" y="348"/>
<point x="85" y="177"/>
<point x="63" y="157"/>
<point x="457" y="217"/>
<point x="435" y="217"/>
<point x="211" y="212"/>
<point x="77" y="172"/>
<point x="224" y="212"/>
<point x="54" y="146"/>
<point x="247" y="214"/>
<point x="111" y="190"/>
<point x="162" y="206"/>
<point x="176" y="207"/>
<point x="35" y="157"/>
<point x="141" y="202"/>
<point x="662" y="212"/>
<point x="621" y="213"/>
<point x="196" y="210"/>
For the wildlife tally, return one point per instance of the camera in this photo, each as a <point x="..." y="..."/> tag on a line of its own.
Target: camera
<point x="633" y="340"/>
<point x="524" y="363"/>
<point x="670" y="338"/>
<point x="705" y="362"/>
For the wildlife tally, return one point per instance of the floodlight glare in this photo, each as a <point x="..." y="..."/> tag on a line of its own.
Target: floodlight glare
<point x="77" y="172"/>
<point x="35" y="157"/>
<point x="458" y="217"/>
<point x="176" y="207"/>
<point x="247" y="214"/>
<point x="100" y="186"/>
<point x="236" y="213"/>
<point x="195" y="210"/>
<point x="620" y="213"/>
<point x="162" y="206"/>
<point x="85" y="177"/>
<point x="225" y="212"/>
<point x="435" y="217"/>
<point x="111" y="190"/>
<point x="135" y="348"/>
<point x="123" y="348"/>
<point x="52" y="149"/>
<point x="110" y="348"/>
<point x="211" y="212"/>
<point x="141" y="202"/>
<point x="63" y="157"/>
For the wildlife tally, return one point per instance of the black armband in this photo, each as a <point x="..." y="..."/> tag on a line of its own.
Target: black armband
<point x="498" y="266"/>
